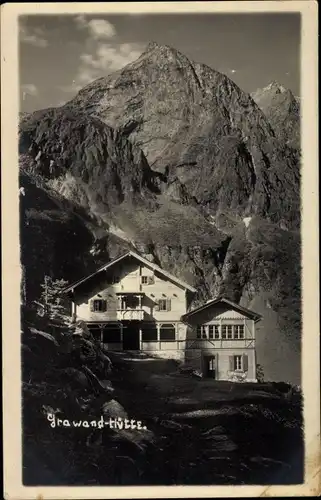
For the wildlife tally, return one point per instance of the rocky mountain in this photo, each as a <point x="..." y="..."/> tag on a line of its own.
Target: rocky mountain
<point x="173" y="109"/>
<point x="282" y="109"/>
<point x="171" y="158"/>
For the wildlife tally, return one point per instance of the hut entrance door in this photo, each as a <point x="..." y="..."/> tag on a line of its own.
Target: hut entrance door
<point x="210" y="367"/>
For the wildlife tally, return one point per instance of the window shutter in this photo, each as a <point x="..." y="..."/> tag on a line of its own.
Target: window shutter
<point x="157" y="306"/>
<point x="216" y="367"/>
<point x="91" y="306"/>
<point x="104" y="305"/>
<point x="168" y="304"/>
<point x="245" y="363"/>
<point x="231" y="363"/>
<point x="150" y="280"/>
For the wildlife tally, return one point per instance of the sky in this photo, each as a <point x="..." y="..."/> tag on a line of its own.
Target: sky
<point x="60" y="54"/>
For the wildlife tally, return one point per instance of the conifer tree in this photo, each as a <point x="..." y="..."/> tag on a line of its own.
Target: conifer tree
<point x="51" y="296"/>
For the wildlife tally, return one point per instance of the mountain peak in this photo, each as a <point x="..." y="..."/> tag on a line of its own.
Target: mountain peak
<point x="276" y="87"/>
<point x="272" y="89"/>
<point x="152" y="45"/>
<point x="162" y="48"/>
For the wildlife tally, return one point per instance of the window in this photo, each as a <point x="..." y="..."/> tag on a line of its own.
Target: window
<point x="212" y="363"/>
<point x="237" y="362"/>
<point x="129" y="302"/>
<point x="213" y="332"/>
<point x="147" y="280"/>
<point x="98" y="305"/>
<point x="167" y="332"/>
<point x="112" y="334"/>
<point x="227" y="331"/>
<point x="201" y="332"/>
<point x="239" y="331"/>
<point x="149" y="333"/>
<point x="164" y="305"/>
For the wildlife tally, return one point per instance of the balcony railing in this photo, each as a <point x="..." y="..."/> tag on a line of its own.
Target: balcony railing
<point x="130" y="314"/>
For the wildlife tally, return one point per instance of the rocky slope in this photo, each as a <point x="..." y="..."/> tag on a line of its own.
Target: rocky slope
<point x="282" y="109"/>
<point x="118" y="197"/>
<point x="171" y="158"/>
<point x="196" y="124"/>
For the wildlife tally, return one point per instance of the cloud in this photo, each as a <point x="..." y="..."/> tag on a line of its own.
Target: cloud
<point x="32" y="36"/>
<point x="102" y="54"/>
<point x="104" y="59"/>
<point x="29" y="88"/>
<point x="111" y="58"/>
<point x="97" y="28"/>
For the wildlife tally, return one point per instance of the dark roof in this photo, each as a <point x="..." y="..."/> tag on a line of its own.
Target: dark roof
<point x="247" y="312"/>
<point x="141" y="259"/>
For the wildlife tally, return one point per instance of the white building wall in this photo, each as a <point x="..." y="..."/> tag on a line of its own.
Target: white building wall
<point x="130" y="282"/>
<point x="197" y="349"/>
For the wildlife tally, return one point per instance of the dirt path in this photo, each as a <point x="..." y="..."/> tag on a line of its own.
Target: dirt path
<point x="207" y="432"/>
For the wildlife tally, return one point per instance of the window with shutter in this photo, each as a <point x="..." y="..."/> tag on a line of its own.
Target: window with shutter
<point x="164" y="305"/>
<point x="98" y="305"/>
<point x="245" y="363"/>
<point x="237" y="362"/>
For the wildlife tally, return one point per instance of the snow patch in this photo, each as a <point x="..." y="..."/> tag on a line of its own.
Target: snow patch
<point x="212" y="222"/>
<point x="247" y="221"/>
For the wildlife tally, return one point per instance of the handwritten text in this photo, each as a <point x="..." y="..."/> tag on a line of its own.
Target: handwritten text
<point x="113" y="423"/>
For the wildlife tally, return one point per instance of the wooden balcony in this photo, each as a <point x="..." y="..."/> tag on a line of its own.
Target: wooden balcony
<point x="130" y="314"/>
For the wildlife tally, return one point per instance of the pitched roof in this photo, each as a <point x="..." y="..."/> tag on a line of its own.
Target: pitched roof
<point x="211" y="303"/>
<point x="137" y="257"/>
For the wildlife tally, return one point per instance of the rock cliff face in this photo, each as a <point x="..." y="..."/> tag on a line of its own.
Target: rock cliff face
<point x="171" y="158"/>
<point x="282" y="110"/>
<point x="197" y="125"/>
